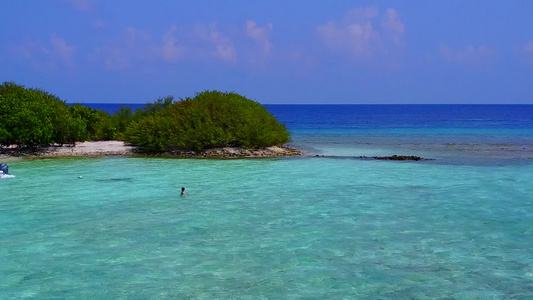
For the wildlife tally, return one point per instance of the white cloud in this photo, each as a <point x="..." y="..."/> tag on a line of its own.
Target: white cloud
<point x="62" y="51"/>
<point x="360" y="35"/>
<point x="83" y="5"/>
<point x="26" y="50"/>
<point x="47" y="56"/>
<point x="113" y="57"/>
<point x="171" y="51"/>
<point x="527" y="53"/>
<point x="99" y="24"/>
<point x="476" y="57"/>
<point x="222" y="47"/>
<point x="204" y="43"/>
<point x="135" y="38"/>
<point x="261" y="35"/>
<point x="133" y="46"/>
<point x="392" y="27"/>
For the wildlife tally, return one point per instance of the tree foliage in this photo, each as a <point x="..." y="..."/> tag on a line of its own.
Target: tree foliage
<point x="32" y="118"/>
<point x="209" y="120"/>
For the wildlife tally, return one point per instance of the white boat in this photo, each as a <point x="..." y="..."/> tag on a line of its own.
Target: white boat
<point x="4" y="171"/>
<point x="2" y="176"/>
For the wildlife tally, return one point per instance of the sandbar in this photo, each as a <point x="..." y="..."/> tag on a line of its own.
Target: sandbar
<point x="119" y="148"/>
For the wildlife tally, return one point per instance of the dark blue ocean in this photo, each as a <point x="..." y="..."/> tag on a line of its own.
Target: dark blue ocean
<point x="326" y="225"/>
<point x="373" y="117"/>
<point x="459" y="134"/>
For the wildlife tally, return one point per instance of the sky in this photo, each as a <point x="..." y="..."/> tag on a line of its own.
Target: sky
<point x="274" y="52"/>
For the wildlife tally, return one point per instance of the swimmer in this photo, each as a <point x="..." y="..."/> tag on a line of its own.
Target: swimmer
<point x="4" y="168"/>
<point x="182" y="191"/>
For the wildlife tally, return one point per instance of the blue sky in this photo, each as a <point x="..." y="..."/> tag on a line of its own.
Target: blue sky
<point x="286" y="52"/>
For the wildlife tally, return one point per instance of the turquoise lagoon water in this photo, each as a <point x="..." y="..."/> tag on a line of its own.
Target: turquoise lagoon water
<point x="265" y="229"/>
<point x="326" y="227"/>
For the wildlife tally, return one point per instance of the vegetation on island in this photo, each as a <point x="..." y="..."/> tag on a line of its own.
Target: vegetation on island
<point x="211" y="119"/>
<point x="33" y="118"/>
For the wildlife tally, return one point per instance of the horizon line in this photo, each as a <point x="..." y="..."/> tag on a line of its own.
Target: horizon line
<point x="138" y="103"/>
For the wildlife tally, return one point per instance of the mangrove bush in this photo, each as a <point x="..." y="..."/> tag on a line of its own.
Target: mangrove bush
<point x="30" y="118"/>
<point x="211" y="119"/>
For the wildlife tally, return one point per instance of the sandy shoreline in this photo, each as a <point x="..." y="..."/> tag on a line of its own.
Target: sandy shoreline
<point x="118" y="148"/>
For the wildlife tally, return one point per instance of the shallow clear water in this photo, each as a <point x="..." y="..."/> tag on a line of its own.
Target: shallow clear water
<point x="265" y="229"/>
<point x="450" y="134"/>
<point x="329" y="227"/>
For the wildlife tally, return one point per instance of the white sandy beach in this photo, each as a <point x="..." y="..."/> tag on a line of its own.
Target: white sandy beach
<point x="118" y="148"/>
<point x="100" y="148"/>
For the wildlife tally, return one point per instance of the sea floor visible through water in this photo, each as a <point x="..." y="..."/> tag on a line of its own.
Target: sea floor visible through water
<point x="285" y="228"/>
<point x="465" y="149"/>
<point x="322" y="226"/>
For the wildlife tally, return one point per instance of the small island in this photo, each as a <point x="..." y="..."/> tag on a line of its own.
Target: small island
<point x="212" y="124"/>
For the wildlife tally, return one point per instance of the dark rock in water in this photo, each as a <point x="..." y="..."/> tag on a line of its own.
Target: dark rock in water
<point x="399" y="157"/>
<point x="237" y="152"/>
<point x="395" y="157"/>
<point x="392" y="157"/>
<point x="128" y="179"/>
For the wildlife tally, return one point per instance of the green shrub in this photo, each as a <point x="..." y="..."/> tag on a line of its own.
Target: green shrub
<point x="32" y="118"/>
<point x="209" y="120"/>
<point x="98" y="124"/>
<point x="26" y="118"/>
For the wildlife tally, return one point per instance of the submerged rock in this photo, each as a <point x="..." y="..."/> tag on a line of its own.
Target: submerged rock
<point x="237" y="152"/>
<point x="395" y="157"/>
<point x="392" y="157"/>
<point x="118" y="148"/>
